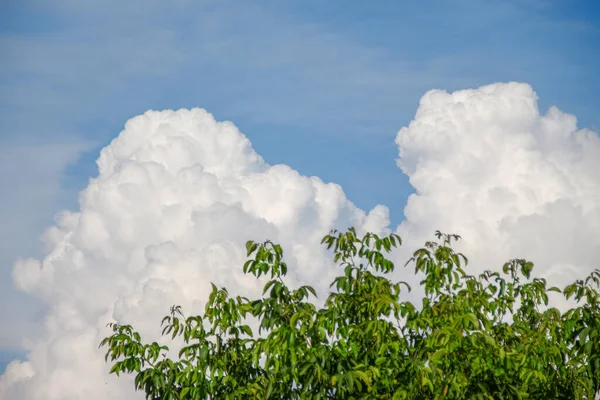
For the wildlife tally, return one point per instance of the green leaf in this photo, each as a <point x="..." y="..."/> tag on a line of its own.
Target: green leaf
<point x="479" y="337"/>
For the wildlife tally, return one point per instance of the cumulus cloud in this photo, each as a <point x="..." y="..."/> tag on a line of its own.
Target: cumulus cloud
<point x="513" y="182"/>
<point x="178" y="194"/>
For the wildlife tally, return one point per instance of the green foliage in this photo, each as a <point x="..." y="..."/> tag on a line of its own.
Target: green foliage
<point x="490" y="336"/>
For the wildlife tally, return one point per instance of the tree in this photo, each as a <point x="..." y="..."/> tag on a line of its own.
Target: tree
<point x="491" y="336"/>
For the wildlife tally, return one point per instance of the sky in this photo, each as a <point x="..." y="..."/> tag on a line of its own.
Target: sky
<point x="321" y="87"/>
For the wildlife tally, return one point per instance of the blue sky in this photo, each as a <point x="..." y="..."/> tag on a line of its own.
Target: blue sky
<point x="320" y="86"/>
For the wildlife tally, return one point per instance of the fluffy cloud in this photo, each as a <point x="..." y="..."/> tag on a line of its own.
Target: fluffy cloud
<point x="514" y="183"/>
<point x="177" y="196"/>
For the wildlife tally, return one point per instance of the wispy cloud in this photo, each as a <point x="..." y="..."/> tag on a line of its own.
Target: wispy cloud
<point x="32" y="192"/>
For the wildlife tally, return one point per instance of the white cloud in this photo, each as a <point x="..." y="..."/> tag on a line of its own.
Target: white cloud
<point x="177" y="196"/>
<point x="513" y="182"/>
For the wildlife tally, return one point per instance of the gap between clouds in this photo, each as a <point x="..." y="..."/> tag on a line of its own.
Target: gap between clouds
<point x="179" y="193"/>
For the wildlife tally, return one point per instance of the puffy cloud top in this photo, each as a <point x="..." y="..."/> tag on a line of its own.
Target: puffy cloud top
<point x="177" y="196"/>
<point x="514" y="183"/>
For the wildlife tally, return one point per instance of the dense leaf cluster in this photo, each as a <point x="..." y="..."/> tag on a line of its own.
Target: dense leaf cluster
<point x="490" y="336"/>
